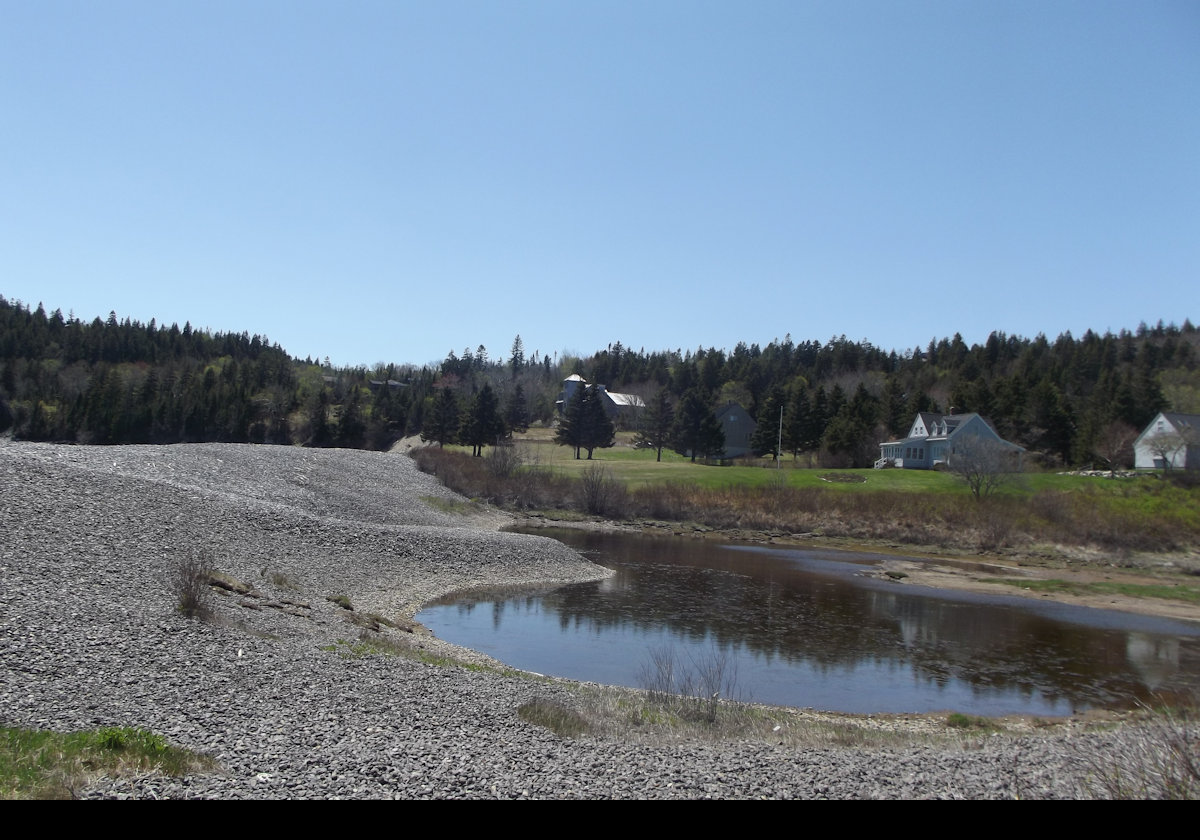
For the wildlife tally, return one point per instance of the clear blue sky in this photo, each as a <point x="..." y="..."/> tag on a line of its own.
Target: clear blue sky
<point x="387" y="181"/>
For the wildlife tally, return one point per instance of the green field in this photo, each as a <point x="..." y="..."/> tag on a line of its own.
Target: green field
<point x="638" y="467"/>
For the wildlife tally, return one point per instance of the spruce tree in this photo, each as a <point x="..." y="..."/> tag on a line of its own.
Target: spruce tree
<point x="697" y="430"/>
<point x="598" y="431"/>
<point x="767" y="433"/>
<point x="657" y="421"/>
<point x="571" y="423"/>
<point x="441" y="423"/>
<point x="516" y="413"/>
<point x="482" y="426"/>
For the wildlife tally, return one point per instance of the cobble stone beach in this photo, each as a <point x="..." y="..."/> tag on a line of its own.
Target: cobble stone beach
<point x="90" y="636"/>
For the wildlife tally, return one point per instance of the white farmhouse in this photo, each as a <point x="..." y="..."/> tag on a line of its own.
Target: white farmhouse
<point x="1171" y="441"/>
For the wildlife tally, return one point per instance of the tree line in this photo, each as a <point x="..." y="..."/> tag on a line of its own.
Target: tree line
<point x="120" y="381"/>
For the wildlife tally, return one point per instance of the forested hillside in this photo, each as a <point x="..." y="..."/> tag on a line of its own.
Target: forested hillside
<point x="1068" y="400"/>
<point x="105" y="382"/>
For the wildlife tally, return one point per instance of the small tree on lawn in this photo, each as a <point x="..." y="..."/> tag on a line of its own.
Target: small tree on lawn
<point x="983" y="463"/>
<point x="1115" y="444"/>
<point x="657" y="421"/>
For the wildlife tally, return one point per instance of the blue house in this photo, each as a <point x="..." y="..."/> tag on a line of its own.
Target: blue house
<point x="933" y="439"/>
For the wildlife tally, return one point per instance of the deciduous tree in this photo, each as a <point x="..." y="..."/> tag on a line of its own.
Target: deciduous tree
<point x="985" y="464"/>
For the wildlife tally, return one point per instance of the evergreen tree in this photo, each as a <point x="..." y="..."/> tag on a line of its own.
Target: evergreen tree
<point x="516" y="413"/>
<point x="516" y="359"/>
<point x="571" y="424"/>
<point x="846" y="439"/>
<point x="482" y="426"/>
<point x="656" y="423"/>
<point x="697" y="430"/>
<point x="766" y="437"/>
<point x="318" y="406"/>
<point x="598" y="430"/>
<point x="585" y="423"/>
<point x="441" y="423"/>
<point x="351" y="428"/>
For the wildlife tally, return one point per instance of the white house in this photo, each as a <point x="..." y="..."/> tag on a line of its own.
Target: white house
<point x="1171" y="441"/>
<point x="933" y="439"/>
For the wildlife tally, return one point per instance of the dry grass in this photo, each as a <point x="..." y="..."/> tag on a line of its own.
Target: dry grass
<point x="1156" y="759"/>
<point x="1143" y="517"/>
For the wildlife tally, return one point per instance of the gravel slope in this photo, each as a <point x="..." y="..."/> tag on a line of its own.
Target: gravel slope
<point x="89" y="636"/>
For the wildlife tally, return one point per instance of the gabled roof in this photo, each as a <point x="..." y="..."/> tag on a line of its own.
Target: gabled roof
<point x="629" y="400"/>
<point x="945" y="426"/>
<point x="1179" y="420"/>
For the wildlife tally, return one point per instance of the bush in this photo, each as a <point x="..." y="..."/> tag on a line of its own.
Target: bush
<point x="189" y="581"/>
<point x="694" y="688"/>
<point x="503" y="461"/>
<point x="601" y="492"/>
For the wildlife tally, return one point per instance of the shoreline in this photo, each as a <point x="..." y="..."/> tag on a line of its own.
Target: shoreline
<point x="285" y="691"/>
<point x="947" y="569"/>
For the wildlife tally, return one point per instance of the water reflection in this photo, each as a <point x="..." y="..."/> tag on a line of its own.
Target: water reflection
<point x="805" y="628"/>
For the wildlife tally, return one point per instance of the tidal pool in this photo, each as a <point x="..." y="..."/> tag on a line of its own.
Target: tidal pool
<point x="805" y="628"/>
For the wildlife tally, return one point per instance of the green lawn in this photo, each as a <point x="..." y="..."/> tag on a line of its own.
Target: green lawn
<point x="637" y="467"/>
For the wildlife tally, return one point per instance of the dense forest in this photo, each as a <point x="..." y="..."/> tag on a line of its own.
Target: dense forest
<point x="1068" y="400"/>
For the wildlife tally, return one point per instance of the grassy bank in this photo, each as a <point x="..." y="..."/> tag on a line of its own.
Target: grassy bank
<point x="37" y="764"/>
<point x="906" y="507"/>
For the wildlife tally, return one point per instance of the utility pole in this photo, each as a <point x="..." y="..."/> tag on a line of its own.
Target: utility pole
<point x="779" y="442"/>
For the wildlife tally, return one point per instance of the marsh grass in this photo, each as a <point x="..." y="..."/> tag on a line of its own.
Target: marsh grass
<point x="36" y="764"/>
<point x="371" y="643"/>
<point x="1156" y="759"/>
<point x="957" y="720"/>
<point x="630" y="714"/>
<point x="560" y="719"/>
<point x="919" y="507"/>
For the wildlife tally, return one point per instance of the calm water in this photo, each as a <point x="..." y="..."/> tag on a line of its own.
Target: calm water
<point x="805" y="628"/>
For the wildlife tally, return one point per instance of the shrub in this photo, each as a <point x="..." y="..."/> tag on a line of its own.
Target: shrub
<point x="694" y="688"/>
<point x="601" y="492"/>
<point x="503" y="461"/>
<point x="189" y="582"/>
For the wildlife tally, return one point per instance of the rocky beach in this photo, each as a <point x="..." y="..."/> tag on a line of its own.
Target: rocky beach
<point x="90" y="636"/>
